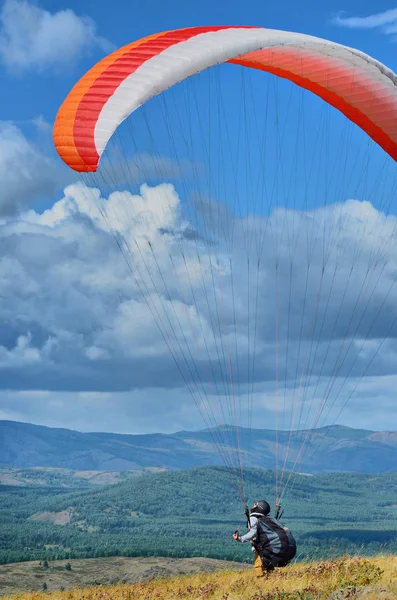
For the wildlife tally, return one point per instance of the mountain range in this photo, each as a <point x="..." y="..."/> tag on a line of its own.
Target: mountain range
<point x="332" y="448"/>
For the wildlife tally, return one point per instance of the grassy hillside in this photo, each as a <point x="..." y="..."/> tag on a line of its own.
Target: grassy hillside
<point x="341" y="579"/>
<point x="193" y="513"/>
<point x="31" y="576"/>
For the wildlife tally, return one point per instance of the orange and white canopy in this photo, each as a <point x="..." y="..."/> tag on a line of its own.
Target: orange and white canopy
<point x="360" y="87"/>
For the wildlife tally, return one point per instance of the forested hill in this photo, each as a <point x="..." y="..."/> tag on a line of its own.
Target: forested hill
<point x="333" y="448"/>
<point x="194" y="513"/>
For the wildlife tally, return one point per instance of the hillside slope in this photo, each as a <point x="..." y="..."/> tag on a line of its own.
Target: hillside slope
<point x="342" y="579"/>
<point x="25" y="577"/>
<point x="193" y="513"/>
<point x="333" y="448"/>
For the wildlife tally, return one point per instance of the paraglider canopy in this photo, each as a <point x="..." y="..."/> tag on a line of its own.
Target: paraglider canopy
<point x="359" y="86"/>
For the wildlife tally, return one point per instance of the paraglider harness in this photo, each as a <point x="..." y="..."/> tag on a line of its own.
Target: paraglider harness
<point x="275" y="544"/>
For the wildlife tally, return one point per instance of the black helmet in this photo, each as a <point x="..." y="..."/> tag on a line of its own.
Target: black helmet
<point x="262" y="507"/>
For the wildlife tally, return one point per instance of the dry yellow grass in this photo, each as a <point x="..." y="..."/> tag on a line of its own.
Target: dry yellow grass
<point x="344" y="578"/>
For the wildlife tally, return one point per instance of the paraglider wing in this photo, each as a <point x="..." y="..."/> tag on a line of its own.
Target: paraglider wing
<point x="359" y="86"/>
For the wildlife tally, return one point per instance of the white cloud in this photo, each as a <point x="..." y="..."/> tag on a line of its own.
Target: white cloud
<point x="76" y="316"/>
<point x="26" y="174"/>
<point x="33" y="38"/>
<point x="385" y="21"/>
<point x="42" y="125"/>
<point x="21" y="355"/>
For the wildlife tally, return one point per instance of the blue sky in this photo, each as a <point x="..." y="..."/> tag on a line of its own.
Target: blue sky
<point x="77" y="348"/>
<point x="128" y="21"/>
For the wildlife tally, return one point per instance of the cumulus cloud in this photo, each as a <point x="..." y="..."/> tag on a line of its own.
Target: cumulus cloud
<point x="34" y="38"/>
<point x="100" y="295"/>
<point x="386" y="22"/>
<point x="21" y="355"/>
<point x="26" y="174"/>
